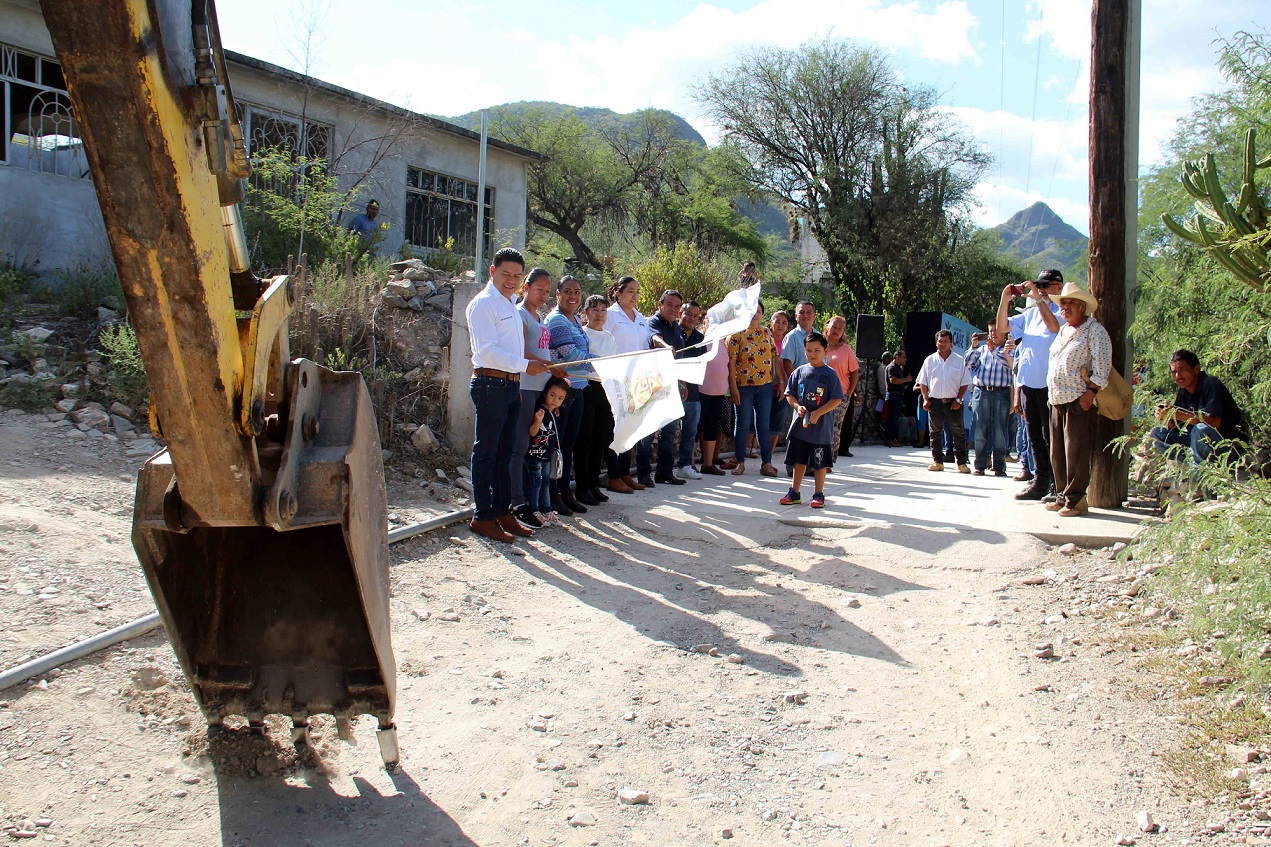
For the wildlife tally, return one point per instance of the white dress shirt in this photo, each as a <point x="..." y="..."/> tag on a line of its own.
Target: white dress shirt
<point x="630" y="334"/>
<point x="496" y="332"/>
<point x="944" y="378"/>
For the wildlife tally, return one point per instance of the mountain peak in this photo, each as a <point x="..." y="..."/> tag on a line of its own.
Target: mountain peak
<point x="1041" y="238"/>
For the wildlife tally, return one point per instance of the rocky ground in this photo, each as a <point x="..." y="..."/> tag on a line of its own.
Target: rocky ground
<point x="628" y="679"/>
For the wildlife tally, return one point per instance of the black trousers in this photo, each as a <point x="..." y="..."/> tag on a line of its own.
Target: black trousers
<point x="1037" y="418"/>
<point x="595" y="433"/>
<point x="940" y="415"/>
<point x="570" y="417"/>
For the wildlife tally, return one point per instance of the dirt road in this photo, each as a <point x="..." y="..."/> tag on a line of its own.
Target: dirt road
<point x="874" y="683"/>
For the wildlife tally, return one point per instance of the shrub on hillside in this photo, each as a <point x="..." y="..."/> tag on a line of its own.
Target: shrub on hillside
<point x="684" y="269"/>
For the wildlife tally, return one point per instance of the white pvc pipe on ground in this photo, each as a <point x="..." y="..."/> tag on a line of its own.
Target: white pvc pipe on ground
<point x="132" y="629"/>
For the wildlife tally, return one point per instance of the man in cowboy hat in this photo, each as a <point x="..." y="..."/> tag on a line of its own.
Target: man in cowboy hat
<point x="1034" y="330"/>
<point x="1080" y="364"/>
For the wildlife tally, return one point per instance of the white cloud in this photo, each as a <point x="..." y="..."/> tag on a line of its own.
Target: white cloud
<point x="998" y="202"/>
<point x="642" y="67"/>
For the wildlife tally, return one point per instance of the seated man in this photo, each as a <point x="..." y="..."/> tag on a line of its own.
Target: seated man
<point x="1202" y="415"/>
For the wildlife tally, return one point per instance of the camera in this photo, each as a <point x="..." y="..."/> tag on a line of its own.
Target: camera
<point x="1018" y="290"/>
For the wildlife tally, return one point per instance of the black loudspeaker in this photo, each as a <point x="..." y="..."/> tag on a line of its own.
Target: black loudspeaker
<point x="869" y="337"/>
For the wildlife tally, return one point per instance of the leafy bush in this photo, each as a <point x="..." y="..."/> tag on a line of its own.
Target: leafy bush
<point x="685" y="269"/>
<point x="293" y="206"/>
<point x="15" y="281"/>
<point x="34" y="396"/>
<point x="78" y="292"/>
<point x="127" y="378"/>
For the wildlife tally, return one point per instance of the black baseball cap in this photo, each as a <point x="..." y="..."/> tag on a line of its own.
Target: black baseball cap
<point x="1051" y="276"/>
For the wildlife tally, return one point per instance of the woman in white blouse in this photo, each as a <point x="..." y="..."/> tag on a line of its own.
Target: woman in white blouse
<point x="630" y="331"/>
<point x="1080" y="361"/>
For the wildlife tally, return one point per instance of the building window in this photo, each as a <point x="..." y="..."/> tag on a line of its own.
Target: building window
<point x="440" y="208"/>
<point x="266" y="129"/>
<point x="40" y="133"/>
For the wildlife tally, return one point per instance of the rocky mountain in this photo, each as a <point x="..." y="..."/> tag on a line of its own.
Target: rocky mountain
<point x="1041" y="239"/>
<point x="590" y="115"/>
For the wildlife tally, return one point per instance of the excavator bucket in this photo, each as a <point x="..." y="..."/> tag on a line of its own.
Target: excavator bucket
<point x="263" y="536"/>
<point x="292" y="621"/>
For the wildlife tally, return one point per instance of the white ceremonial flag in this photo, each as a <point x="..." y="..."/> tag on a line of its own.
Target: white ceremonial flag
<point x="733" y="314"/>
<point x="693" y="369"/>
<point x="644" y="393"/>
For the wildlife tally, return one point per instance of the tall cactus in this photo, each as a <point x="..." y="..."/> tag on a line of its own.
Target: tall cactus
<point x="1235" y="235"/>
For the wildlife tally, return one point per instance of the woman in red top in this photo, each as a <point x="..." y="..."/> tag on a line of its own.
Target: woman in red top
<point x="842" y="358"/>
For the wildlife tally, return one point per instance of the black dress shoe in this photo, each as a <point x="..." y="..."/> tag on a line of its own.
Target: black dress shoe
<point x="525" y="515"/>
<point x="587" y="498"/>
<point x="559" y="507"/>
<point x="571" y="503"/>
<point x="669" y="479"/>
<point x="847" y="453"/>
<point x="599" y="494"/>
<point x="1032" y="492"/>
<point x="646" y="481"/>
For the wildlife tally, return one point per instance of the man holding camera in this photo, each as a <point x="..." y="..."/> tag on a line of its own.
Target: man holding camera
<point x="1035" y="330"/>
<point x="1202" y="415"/>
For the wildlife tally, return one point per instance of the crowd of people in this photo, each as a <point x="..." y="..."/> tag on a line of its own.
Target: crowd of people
<point x="544" y="425"/>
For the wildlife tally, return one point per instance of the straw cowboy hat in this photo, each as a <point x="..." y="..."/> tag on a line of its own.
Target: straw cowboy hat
<point x="1073" y="291"/>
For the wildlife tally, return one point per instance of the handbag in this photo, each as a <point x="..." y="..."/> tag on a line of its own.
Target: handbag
<point x="1114" y="399"/>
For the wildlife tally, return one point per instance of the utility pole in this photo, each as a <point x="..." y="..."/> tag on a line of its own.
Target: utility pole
<point x="1114" y="164"/>
<point x="481" y="257"/>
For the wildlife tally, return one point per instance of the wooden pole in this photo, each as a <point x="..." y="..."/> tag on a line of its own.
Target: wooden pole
<point x="1114" y="55"/>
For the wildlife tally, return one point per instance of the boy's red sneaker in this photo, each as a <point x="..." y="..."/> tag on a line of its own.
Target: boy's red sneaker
<point x="792" y="498"/>
<point x="818" y="501"/>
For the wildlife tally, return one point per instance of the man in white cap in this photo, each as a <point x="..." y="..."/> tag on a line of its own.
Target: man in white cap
<point x="1035" y="330"/>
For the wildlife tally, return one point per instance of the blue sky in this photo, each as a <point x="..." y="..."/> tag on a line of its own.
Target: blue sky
<point x="1013" y="72"/>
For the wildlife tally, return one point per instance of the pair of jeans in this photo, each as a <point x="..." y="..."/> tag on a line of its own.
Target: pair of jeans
<point x="1071" y="448"/>
<point x="1024" y="447"/>
<point x="895" y="411"/>
<point x="1037" y="418"/>
<point x="497" y="403"/>
<point x="518" y="472"/>
<point x="539" y="493"/>
<point x="667" y="437"/>
<point x="941" y="416"/>
<point x="992" y="409"/>
<point x="756" y="408"/>
<point x="1200" y="439"/>
<point x="688" y="432"/>
<point x="569" y="421"/>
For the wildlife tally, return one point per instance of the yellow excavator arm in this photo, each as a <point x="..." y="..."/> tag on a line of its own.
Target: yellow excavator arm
<point x="262" y="527"/>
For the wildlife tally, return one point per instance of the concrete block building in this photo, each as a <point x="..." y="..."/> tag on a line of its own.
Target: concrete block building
<point x="422" y="170"/>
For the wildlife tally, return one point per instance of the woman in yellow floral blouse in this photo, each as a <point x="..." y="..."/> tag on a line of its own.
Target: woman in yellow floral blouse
<point x="752" y="367"/>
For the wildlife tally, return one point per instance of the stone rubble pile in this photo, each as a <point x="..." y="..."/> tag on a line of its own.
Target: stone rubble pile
<point x="73" y="417"/>
<point x="413" y="285"/>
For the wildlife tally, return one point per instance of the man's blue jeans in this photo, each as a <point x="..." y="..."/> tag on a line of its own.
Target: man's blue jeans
<point x="755" y="408"/>
<point x="498" y="405"/>
<point x="688" y="432"/>
<point x="667" y="436"/>
<point x="1199" y="438"/>
<point x="992" y="408"/>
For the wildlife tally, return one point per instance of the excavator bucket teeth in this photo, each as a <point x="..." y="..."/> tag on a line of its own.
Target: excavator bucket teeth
<point x="289" y="621"/>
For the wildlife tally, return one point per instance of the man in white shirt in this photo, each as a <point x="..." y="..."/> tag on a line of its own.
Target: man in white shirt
<point x="943" y="381"/>
<point x="498" y="360"/>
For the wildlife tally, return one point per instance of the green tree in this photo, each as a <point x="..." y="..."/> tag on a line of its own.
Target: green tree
<point x="294" y="200"/>
<point x="866" y="166"/>
<point x="1185" y="298"/>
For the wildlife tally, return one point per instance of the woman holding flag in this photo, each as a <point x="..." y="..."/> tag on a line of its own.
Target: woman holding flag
<point x="630" y="331"/>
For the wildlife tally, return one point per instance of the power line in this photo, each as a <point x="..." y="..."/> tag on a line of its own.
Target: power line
<point x="1032" y="129"/>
